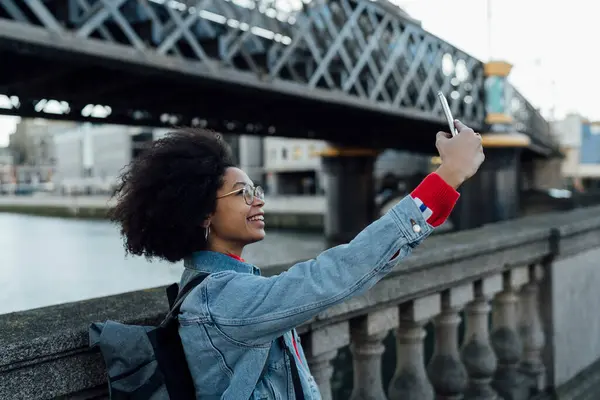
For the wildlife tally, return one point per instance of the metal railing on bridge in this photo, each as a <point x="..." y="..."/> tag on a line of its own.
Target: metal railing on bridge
<point x="359" y="52"/>
<point x="528" y="120"/>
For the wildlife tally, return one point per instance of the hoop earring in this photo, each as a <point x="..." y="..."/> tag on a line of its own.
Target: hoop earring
<point x="206" y="233"/>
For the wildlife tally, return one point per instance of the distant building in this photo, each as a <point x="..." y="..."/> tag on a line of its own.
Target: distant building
<point x="293" y="166"/>
<point x="97" y="154"/>
<point x="32" y="151"/>
<point x="100" y="150"/>
<point x="247" y="153"/>
<point x="580" y="143"/>
<point x="32" y="142"/>
<point x="282" y="166"/>
<point x="6" y="166"/>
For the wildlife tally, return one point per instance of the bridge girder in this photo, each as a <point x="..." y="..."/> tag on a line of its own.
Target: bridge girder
<point x="343" y="70"/>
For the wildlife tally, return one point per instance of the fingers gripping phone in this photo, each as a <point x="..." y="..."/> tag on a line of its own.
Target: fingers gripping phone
<point x="447" y="113"/>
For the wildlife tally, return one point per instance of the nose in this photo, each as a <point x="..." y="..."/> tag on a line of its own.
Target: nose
<point x="258" y="202"/>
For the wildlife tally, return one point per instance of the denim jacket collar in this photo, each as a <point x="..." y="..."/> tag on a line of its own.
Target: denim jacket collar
<point x="211" y="262"/>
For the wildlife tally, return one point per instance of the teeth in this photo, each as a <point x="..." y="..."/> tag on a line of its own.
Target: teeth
<point x="256" y="218"/>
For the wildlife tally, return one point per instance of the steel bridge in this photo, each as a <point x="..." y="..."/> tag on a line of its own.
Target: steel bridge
<point x="354" y="72"/>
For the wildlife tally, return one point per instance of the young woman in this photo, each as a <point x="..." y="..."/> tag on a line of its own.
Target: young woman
<point x="183" y="199"/>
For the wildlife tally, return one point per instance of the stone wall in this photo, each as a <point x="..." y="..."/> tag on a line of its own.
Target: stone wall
<point x="576" y="314"/>
<point x="44" y="352"/>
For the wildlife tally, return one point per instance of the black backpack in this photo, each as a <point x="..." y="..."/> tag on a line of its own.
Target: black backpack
<point x="147" y="362"/>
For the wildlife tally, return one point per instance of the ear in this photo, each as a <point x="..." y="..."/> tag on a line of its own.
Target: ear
<point x="206" y="223"/>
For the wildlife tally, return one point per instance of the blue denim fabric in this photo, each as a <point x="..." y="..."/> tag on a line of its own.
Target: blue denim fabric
<point x="229" y="323"/>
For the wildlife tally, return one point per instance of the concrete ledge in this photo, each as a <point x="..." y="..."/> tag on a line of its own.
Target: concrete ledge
<point x="44" y="352"/>
<point x="584" y="386"/>
<point x="93" y="213"/>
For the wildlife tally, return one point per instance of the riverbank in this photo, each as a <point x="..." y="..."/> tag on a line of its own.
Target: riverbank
<point x="302" y="213"/>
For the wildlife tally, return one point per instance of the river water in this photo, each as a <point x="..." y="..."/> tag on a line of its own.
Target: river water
<point x="48" y="261"/>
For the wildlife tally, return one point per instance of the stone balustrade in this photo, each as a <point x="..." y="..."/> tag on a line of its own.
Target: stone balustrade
<point x="509" y="287"/>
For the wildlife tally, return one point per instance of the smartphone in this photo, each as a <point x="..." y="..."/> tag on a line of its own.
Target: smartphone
<point x="447" y="113"/>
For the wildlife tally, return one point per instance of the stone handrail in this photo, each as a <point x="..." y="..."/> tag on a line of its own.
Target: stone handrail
<point x="44" y="352"/>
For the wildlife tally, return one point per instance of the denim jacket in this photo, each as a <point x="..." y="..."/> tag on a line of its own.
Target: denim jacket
<point x="229" y="323"/>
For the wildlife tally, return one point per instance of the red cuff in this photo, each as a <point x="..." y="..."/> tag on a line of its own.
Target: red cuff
<point x="435" y="198"/>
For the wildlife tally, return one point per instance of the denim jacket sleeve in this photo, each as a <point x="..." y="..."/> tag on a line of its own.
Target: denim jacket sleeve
<point x="253" y="310"/>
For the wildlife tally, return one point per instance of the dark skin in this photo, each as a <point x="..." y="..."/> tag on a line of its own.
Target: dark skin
<point x="235" y="224"/>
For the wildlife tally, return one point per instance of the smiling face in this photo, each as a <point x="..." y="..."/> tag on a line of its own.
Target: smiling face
<point x="239" y="217"/>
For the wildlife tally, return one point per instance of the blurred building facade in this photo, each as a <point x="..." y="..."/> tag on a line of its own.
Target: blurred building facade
<point x="32" y="143"/>
<point x="6" y="166"/>
<point x="293" y="166"/>
<point x="580" y="142"/>
<point x="91" y="157"/>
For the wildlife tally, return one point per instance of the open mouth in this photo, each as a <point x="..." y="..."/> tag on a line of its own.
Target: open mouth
<point x="258" y="217"/>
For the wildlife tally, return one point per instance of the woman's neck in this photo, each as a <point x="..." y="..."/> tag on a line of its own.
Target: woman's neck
<point x="226" y="248"/>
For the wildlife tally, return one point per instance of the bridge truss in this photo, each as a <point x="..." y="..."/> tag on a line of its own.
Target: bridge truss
<point x="349" y="71"/>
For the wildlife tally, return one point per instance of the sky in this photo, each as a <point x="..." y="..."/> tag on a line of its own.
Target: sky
<point x="550" y="44"/>
<point x="546" y="41"/>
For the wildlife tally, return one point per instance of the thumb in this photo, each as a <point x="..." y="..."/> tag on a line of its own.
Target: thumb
<point x="460" y="126"/>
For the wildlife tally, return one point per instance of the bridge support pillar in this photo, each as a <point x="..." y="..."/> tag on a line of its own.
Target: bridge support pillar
<point x="350" y="192"/>
<point x="492" y="195"/>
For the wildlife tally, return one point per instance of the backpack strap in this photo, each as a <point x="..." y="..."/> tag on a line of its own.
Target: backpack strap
<point x="172" y="292"/>
<point x="176" y="306"/>
<point x="174" y="311"/>
<point x="298" y="392"/>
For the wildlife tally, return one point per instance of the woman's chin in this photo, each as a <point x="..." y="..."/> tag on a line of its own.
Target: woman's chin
<point x="256" y="235"/>
<point x="261" y="235"/>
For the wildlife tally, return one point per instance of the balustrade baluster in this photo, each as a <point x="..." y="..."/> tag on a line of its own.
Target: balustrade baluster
<point x="410" y="380"/>
<point x="531" y="330"/>
<point x="508" y="381"/>
<point x="321" y="347"/>
<point x="367" y="334"/>
<point x="477" y="353"/>
<point x="446" y="370"/>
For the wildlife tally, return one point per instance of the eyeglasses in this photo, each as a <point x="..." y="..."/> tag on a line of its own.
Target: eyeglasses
<point x="249" y="192"/>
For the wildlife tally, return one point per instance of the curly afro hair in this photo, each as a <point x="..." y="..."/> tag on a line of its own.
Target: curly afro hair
<point x="166" y="194"/>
